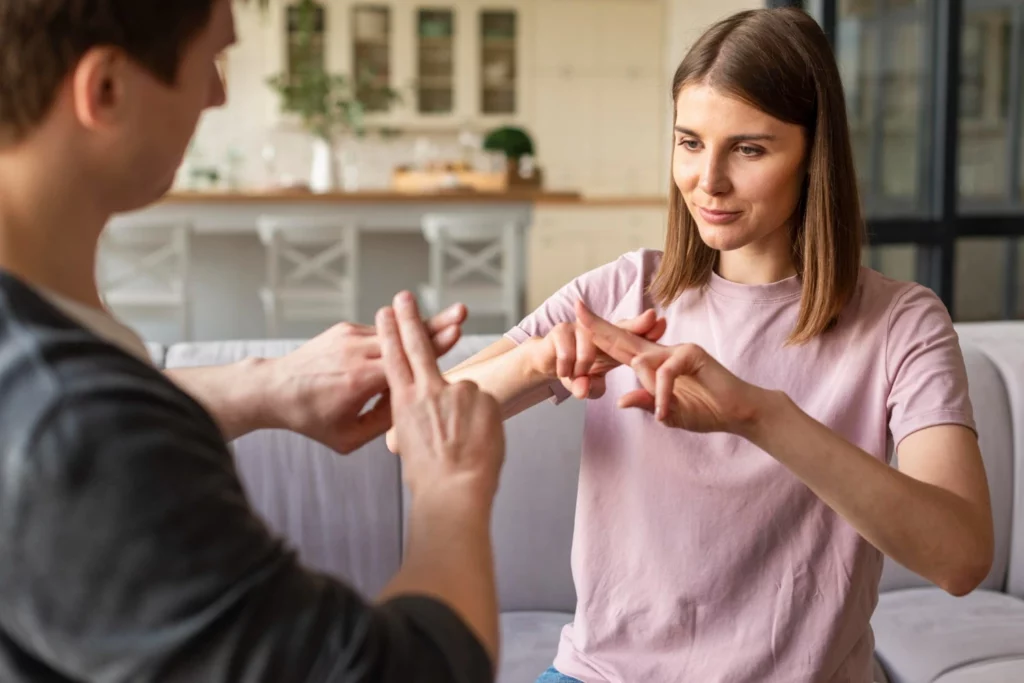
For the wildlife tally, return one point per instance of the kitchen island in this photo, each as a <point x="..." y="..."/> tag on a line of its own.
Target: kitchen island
<point x="236" y="212"/>
<point x="228" y="262"/>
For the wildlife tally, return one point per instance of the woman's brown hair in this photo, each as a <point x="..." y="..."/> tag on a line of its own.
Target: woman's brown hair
<point x="779" y="61"/>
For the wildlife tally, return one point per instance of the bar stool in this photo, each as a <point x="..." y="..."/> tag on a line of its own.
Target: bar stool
<point x="474" y="259"/>
<point x="145" y="267"/>
<point x="312" y="270"/>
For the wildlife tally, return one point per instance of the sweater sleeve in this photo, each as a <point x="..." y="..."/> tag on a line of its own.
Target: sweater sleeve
<point x="134" y="555"/>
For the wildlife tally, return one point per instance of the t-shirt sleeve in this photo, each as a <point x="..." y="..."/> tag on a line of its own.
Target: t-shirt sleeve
<point x="925" y="366"/>
<point x="601" y="289"/>
<point x="134" y="555"/>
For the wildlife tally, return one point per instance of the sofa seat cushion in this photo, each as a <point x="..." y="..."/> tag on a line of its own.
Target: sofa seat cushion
<point x="924" y="633"/>
<point x="1000" y="671"/>
<point x="529" y="641"/>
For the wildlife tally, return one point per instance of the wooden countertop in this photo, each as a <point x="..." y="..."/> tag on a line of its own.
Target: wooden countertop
<point x="372" y="197"/>
<point x="545" y="197"/>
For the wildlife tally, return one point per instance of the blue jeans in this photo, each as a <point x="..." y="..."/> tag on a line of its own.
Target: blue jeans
<point x="553" y="676"/>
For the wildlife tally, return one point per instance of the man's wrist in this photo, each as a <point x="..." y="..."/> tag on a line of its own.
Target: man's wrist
<point x="249" y="405"/>
<point x="465" y="507"/>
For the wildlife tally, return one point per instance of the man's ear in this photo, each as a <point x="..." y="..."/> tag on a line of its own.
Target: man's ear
<point x="98" y="87"/>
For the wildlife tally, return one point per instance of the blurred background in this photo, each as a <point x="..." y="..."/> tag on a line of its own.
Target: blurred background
<point x="554" y="116"/>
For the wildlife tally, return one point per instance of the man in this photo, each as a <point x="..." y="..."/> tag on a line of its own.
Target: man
<point x="127" y="548"/>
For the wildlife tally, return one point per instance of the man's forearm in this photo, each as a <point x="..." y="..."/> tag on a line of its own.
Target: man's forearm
<point x="234" y="394"/>
<point x="449" y="557"/>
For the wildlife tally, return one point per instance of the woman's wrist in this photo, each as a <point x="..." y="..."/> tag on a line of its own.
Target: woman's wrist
<point x="769" y="414"/>
<point x="539" y="359"/>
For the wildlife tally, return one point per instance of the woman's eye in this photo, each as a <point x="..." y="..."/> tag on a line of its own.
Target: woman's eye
<point x="689" y="144"/>
<point x="748" y="151"/>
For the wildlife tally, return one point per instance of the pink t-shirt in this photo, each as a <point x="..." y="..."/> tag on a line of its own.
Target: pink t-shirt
<point x="699" y="557"/>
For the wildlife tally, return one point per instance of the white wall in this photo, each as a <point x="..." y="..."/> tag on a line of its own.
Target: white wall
<point x="686" y="21"/>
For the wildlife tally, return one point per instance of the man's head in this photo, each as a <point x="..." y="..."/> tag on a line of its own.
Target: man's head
<point x="113" y="88"/>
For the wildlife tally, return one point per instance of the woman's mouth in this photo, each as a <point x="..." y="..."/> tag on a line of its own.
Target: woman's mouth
<point x="718" y="217"/>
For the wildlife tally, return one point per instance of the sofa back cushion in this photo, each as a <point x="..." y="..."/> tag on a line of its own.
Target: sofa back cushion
<point x="156" y="353"/>
<point x="1003" y="343"/>
<point x="992" y="416"/>
<point x="341" y="513"/>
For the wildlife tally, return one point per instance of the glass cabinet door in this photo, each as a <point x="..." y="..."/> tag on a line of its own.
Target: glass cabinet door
<point x="435" y="58"/>
<point x="371" y="54"/>
<point x="498" y="73"/>
<point x="304" y="37"/>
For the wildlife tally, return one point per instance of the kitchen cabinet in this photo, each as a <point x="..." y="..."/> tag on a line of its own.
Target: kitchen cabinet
<point x="601" y="103"/>
<point x="566" y="242"/>
<point x="454" y="63"/>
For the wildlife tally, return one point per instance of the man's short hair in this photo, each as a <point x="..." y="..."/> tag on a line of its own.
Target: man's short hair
<point x="41" y="41"/>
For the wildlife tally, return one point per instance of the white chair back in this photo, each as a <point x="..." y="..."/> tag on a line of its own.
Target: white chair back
<point x="146" y="267"/>
<point x="475" y="259"/>
<point x="312" y="269"/>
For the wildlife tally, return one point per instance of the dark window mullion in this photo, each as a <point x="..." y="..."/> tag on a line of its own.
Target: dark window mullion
<point x="948" y="20"/>
<point x="878" y="26"/>
<point x="1011" y="261"/>
<point x="925" y="118"/>
<point x="1014" y="108"/>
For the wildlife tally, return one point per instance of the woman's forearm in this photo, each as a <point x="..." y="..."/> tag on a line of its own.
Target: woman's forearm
<point x="511" y="377"/>
<point x="930" y="530"/>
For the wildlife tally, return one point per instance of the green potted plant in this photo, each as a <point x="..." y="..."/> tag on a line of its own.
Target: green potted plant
<point x="327" y="104"/>
<point x="512" y="141"/>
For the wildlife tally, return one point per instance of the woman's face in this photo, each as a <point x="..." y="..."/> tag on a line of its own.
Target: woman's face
<point x="739" y="170"/>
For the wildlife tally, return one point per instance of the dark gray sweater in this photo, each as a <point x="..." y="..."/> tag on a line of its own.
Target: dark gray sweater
<point x="128" y="550"/>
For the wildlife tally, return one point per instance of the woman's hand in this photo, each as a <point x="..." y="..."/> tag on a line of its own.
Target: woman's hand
<point x="568" y="353"/>
<point x="682" y="386"/>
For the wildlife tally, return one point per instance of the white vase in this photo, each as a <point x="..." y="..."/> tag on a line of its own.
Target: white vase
<point x="323" y="176"/>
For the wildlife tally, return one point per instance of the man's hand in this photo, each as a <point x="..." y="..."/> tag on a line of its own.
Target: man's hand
<point x="317" y="390"/>
<point x="452" y="450"/>
<point x="450" y="435"/>
<point x="321" y="387"/>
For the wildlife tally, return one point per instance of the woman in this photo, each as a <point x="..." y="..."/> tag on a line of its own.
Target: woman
<point x="735" y="499"/>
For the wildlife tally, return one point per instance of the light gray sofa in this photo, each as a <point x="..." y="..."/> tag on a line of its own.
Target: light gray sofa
<point x="344" y="516"/>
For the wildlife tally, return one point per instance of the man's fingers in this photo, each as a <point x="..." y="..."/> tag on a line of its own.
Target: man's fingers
<point x="618" y="343"/>
<point x="372" y="423"/>
<point x="418" y="348"/>
<point x="396" y="365"/>
<point x="444" y="340"/>
<point x="453" y="315"/>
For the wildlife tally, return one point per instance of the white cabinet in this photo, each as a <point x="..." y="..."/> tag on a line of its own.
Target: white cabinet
<point x="567" y="241"/>
<point x="600" y="96"/>
<point x="631" y="41"/>
<point x="566" y="128"/>
<point x="633" y="135"/>
<point x="454" y="63"/>
<point x="566" y="37"/>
